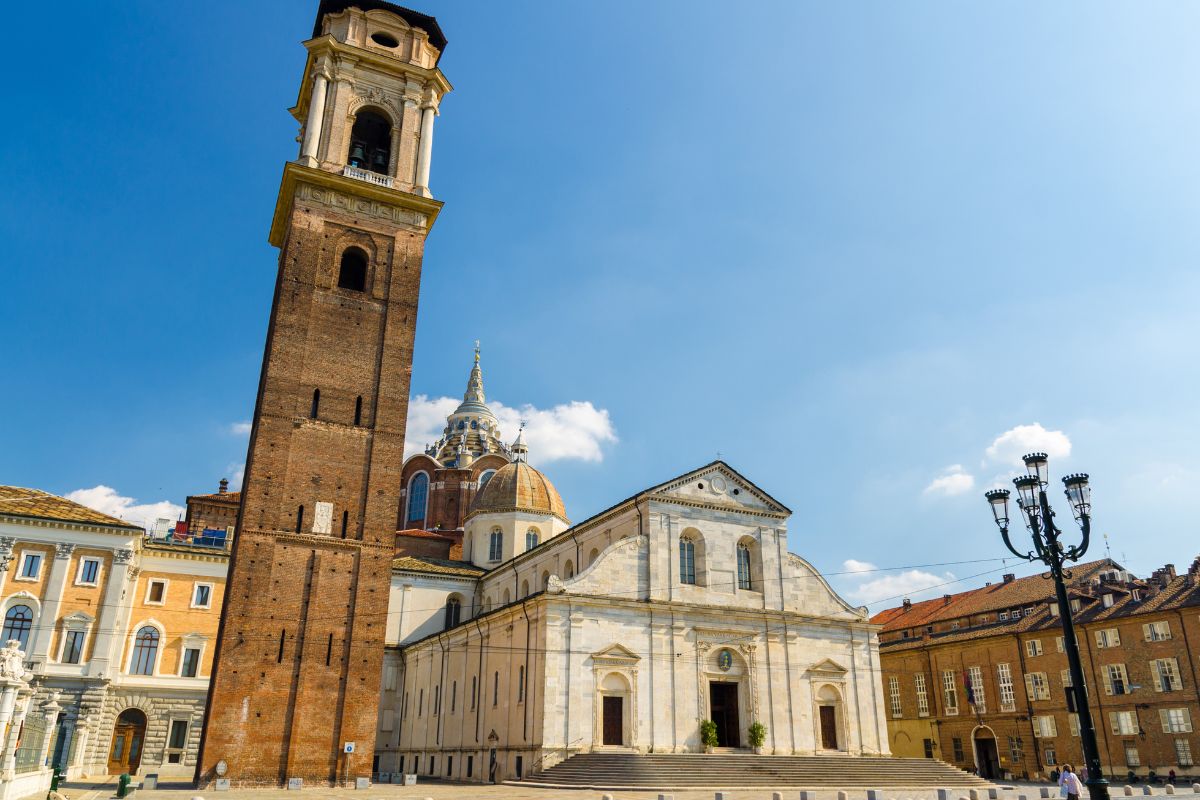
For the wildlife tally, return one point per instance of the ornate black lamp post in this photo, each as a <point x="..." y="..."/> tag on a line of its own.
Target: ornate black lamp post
<point x="1039" y="519"/>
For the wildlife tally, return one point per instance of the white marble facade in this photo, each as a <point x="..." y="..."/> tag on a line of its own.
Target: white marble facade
<point x="627" y="654"/>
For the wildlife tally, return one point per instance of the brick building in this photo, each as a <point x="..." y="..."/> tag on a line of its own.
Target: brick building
<point x="977" y="678"/>
<point x="295" y="688"/>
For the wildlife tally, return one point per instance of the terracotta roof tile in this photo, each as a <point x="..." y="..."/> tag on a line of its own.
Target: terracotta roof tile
<point x="437" y="566"/>
<point x="233" y="498"/>
<point x="35" y="503"/>
<point x="414" y="533"/>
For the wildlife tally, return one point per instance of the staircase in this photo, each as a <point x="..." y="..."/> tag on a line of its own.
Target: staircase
<point x="630" y="771"/>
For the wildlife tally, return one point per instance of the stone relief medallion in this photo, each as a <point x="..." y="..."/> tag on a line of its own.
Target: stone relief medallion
<point x="718" y="484"/>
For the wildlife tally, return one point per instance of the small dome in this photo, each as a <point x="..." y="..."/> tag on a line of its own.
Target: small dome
<point x="519" y="487"/>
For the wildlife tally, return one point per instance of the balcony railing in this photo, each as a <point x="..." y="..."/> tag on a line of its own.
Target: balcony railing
<point x="368" y="176"/>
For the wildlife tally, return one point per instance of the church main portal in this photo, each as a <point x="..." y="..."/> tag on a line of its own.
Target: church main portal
<point x="723" y="702"/>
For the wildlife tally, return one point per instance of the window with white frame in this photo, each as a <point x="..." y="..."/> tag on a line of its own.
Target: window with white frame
<point x="1036" y="686"/>
<point x="1053" y="609"/>
<point x="190" y="664"/>
<point x="1076" y="605"/>
<point x="202" y="595"/>
<point x="496" y="545"/>
<point x="1132" y="759"/>
<point x="1028" y="611"/>
<point x="1116" y="679"/>
<point x="1033" y="647"/>
<point x="1107" y="600"/>
<point x="745" y="579"/>
<point x="1059" y="644"/>
<point x="144" y="658"/>
<point x="1108" y="637"/>
<point x="88" y="573"/>
<point x="1051" y="756"/>
<point x="1073" y="722"/>
<point x="1183" y="753"/>
<point x="1176" y="720"/>
<point x="1044" y="727"/>
<point x="1066" y="678"/>
<point x="949" y="693"/>
<point x="922" y="695"/>
<point x="1166" y="675"/>
<point x="977" y="694"/>
<point x="31" y="566"/>
<point x="156" y="592"/>
<point x="532" y="538"/>
<point x="1157" y="631"/>
<point x="1003" y="615"/>
<point x="177" y="741"/>
<point x="1123" y="723"/>
<point x="687" y="561"/>
<point x="72" y="651"/>
<point x="894" y="693"/>
<point x="1008" y="699"/>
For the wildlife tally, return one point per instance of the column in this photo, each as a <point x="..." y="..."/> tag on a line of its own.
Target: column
<point x="50" y="709"/>
<point x="316" y="120"/>
<point x="109" y="627"/>
<point x="43" y="628"/>
<point x="425" y="154"/>
<point x="6" y="556"/>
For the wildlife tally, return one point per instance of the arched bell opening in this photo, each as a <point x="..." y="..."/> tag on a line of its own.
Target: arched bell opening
<point x="370" y="142"/>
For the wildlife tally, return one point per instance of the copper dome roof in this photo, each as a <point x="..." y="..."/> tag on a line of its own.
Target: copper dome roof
<point x="519" y="487"/>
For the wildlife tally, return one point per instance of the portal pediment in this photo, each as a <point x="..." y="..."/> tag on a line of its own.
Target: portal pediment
<point x="616" y="654"/>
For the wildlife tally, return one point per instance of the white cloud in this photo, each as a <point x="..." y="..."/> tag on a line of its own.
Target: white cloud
<point x="852" y="565"/>
<point x="240" y="428"/>
<point x="236" y="473"/>
<point x="890" y="589"/>
<point x="106" y="500"/>
<point x="576" y="430"/>
<point x="954" y="480"/>
<point x="1009" y="446"/>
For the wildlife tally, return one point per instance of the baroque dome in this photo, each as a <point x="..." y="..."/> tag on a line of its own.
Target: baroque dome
<point x="519" y="487"/>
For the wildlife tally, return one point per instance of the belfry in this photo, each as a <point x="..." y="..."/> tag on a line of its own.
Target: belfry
<point x="296" y="680"/>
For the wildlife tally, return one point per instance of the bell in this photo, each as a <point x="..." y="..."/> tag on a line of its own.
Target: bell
<point x="379" y="161"/>
<point x="357" y="155"/>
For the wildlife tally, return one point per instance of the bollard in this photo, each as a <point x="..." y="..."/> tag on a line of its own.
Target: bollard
<point x="607" y="797"/>
<point x="720" y="796"/>
<point x="873" y="794"/>
<point x="776" y="795"/>
<point x="1147" y="790"/>
<point x="1044" y="793"/>
<point x="974" y="794"/>
<point x="1169" y="789"/>
<point x="943" y="794"/>
<point x="1129" y="791"/>
<point x="666" y="797"/>
<point x="842" y="796"/>
<point x="993" y="794"/>
<point x="1196" y="788"/>
<point x="1022" y="797"/>
<point x="805" y="795"/>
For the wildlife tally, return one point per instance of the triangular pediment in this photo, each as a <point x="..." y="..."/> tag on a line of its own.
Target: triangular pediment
<point x="78" y="618"/>
<point x="616" y="653"/>
<point x="719" y="484"/>
<point x="828" y="667"/>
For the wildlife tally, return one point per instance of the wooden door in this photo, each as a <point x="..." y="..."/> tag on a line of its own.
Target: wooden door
<point x="614" y="709"/>
<point x="723" y="701"/>
<point x="125" y="754"/>
<point x="829" y="739"/>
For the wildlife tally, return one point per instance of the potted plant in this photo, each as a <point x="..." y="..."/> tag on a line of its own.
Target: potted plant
<point x="758" y="735"/>
<point x="708" y="734"/>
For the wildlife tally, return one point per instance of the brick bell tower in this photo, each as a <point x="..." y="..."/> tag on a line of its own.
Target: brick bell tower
<point x="296" y="675"/>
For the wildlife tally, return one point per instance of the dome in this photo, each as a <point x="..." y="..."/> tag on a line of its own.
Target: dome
<point x="519" y="487"/>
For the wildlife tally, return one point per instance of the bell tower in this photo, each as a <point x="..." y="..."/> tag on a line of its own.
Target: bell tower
<point x="298" y="661"/>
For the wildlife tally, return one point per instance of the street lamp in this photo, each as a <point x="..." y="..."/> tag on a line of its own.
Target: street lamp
<point x="1047" y="548"/>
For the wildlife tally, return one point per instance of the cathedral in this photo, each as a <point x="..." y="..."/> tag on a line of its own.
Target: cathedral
<point x="441" y="614"/>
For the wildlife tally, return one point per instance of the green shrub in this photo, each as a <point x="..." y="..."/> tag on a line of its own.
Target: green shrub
<point x="708" y="733"/>
<point x="758" y="734"/>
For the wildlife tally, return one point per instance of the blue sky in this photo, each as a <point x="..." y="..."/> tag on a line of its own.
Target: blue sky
<point x="867" y="252"/>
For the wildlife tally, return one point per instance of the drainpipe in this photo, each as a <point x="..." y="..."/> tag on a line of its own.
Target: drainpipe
<point x="525" y="688"/>
<point x="478" y="680"/>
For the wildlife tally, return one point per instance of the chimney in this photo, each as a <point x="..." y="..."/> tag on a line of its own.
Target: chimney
<point x="1163" y="575"/>
<point x="1010" y="577"/>
<point x="223" y="486"/>
<point x="946" y="599"/>
<point x="907" y="604"/>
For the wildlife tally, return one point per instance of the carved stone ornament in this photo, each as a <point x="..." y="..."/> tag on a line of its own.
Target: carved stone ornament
<point x="554" y="585"/>
<point x="64" y="550"/>
<point x="6" y="552"/>
<point x="123" y="556"/>
<point x="12" y="662"/>
<point x="328" y="198"/>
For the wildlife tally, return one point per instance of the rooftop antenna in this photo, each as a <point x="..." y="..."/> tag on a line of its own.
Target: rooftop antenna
<point x="1107" y="549"/>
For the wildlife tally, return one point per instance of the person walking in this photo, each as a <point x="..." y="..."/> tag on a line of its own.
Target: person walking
<point x="1068" y="783"/>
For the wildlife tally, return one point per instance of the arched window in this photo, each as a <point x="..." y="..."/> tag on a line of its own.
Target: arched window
<point x="525" y="588"/>
<point x="592" y="556"/>
<point x="545" y="578"/>
<point x="17" y="623"/>
<point x="496" y="545"/>
<point x="418" y="491"/>
<point x="145" y="651"/>
<point x="358" y="411"/>
<point x="687" y="561"/>
<point x="453" y="612"/>
<point x="531" y="538"/>
<point x="745" y="580"/>
<point x="316" y="404"/>
<point x="299" y="519"/>
<point x="371" y="142"/>
<point x="353" y="272"/>
<point x="569" y="569"/>
<point x="485" y="477"/>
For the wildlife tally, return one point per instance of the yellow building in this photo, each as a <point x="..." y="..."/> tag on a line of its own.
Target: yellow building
<point x="117" y="627"/>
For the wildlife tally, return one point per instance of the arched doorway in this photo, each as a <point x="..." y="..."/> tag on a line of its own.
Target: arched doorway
<point x="987" y="757"/>
<point x="614" y="711"/>
<point x="129" y="734"/>
<point x="829" y="718"/>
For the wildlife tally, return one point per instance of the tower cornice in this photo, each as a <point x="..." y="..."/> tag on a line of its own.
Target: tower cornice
<point x="352" y="195"/>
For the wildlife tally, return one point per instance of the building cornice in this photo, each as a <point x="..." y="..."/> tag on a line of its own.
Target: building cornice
<point x="67" y="525"/>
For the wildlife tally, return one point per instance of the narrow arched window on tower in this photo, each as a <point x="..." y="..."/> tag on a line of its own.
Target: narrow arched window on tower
<point x="358" y="411"/>
<point x="496" y="545"/>
<point x="371" y="142"/>
<point x="453" y="612"/>
<point x="687" y="561"/>
<point x="745" y="577"/>
<point x="353" y="272"/>
<point x="316" y="404"/>
<point x="299" y="519"/>
<point x="345" y="522"/>
<point x="418" y="491"/>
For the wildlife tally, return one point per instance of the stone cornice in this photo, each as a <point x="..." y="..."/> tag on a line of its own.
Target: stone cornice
<point x="65" y="525"/>
<point x="349" y="196"/>
<point x="320" y="540"/>
<point x="728" y="507"/>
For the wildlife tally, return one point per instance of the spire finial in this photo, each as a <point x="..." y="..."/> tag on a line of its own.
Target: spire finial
<point x="476" y="351"/>
<point x="520" y="451"/>
<point x="475" y="382"/>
